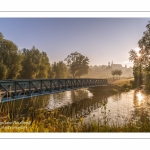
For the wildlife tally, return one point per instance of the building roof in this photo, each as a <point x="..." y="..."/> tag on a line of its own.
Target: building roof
<point x="119" y="65"/>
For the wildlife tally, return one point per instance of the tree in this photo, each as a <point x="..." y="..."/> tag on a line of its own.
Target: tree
<point x="35" y="64"/>
<point x="116" y="72"/>
<point x="119" y="72"/>
<point x="51" y="73"/>
<point x="1" y="36"/>
<point x="78" y="64"/>
<point x="3" y="71"/>
<point x="10" y="59"/>
<point x="144" y="44"/>
<point x="60" y="69"/>
<point x="113" y="72"/>
<point x="137" y="60"/>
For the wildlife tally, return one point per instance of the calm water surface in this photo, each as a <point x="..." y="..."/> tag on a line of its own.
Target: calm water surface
<point x="90" y="104"/>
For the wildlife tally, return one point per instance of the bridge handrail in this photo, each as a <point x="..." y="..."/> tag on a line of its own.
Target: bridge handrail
<point x="18" y="89"/>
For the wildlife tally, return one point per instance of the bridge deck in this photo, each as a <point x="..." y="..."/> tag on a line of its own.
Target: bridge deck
<point x="20" y="89"/>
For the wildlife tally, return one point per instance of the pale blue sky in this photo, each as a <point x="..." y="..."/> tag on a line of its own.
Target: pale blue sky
<point x="100" y="39"/>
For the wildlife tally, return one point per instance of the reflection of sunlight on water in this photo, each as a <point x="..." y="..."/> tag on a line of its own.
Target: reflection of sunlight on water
<point x="139" y="96"/>
<point x="89" y="94"/>
<point x="117" y="109"/>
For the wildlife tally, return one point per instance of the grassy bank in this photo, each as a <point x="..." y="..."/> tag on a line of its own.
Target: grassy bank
<point x="54" y="122"/>
<point x="114" y="87"/>
<point x="122" y="85"/>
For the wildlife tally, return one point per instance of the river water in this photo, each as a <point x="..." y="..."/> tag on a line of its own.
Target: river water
<point x="89" y="104"/>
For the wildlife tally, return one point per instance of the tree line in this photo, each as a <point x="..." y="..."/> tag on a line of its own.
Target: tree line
<point x="141" y="60"/>
<point x="31" y="63"/>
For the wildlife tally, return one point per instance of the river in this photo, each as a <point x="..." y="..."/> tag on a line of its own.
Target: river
<point x="89" y="104"/>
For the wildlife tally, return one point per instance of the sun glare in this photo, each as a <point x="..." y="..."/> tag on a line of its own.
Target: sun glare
<point x="137" y="50"/>
<point x="139" y="96"/>
<point x="138" y="54"/>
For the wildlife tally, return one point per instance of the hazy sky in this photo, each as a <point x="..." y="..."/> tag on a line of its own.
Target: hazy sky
<point x="102" y="40"/>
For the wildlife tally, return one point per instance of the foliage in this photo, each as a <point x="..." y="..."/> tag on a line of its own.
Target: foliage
<point x="113" y="73"/>
<point x="60" y="69"/>
<point x="35" y="64"/>
<point x="3" y="71"/>
<point x="116" y="72"/>
<point x="10" y="59"/>
<point x="141" y="59"/>
<point x="78" y="64"/>
<point x="119" y="73"/>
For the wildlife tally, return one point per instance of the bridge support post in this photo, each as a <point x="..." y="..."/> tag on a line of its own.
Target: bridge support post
<point x="65" y="84"/>
<point x="58" y="85"/>
<point x="81" y="82"/>
<point x="29" y="88"/>
<point x="15" y="88"/>
<point x="41" y="86"/>
<point x="76" y="83"/>
<point x="71" y="83"/>
<point x="50" y="85"/>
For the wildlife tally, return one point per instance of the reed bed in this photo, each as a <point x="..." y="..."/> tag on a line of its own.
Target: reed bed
<point x="42" y="120"/>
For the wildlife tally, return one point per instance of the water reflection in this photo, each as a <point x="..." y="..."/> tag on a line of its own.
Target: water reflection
<point x="120" y="108"/>
<point x="117" y="97"/>
<point x="22" y="108"/>
<point x="76" y="104"/>
<point x="67" y="98"/>
<point x="86" y="103"/>
<point x="139" y="96"/>
<point x="139" y="99"/>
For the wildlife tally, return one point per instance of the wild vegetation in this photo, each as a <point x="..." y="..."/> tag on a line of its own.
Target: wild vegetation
<point x="122" y="85"/>
<point x="117" y="86"/>
<point x="41" y="120"/>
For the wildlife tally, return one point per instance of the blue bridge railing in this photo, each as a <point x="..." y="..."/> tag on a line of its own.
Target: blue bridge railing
<point x="19" y="89"/>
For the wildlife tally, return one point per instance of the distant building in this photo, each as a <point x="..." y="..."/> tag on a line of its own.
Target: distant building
<point x="105" y="70"/>
<point x="126" y="71"/>
<point x="115" y="66"/>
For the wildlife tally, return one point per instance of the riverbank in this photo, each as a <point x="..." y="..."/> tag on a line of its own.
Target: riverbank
<point x="55" y="122"/>
<point x="114" y="87"/>
<point x="122" y="85"/>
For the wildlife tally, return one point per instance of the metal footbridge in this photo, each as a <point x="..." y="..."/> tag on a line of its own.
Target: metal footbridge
<point x="20" y="89"/>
